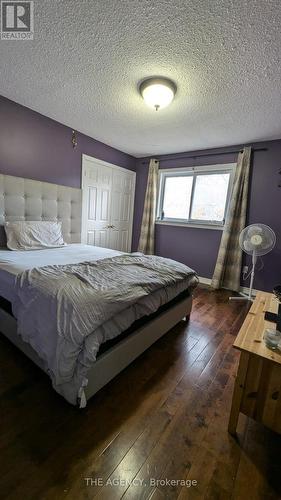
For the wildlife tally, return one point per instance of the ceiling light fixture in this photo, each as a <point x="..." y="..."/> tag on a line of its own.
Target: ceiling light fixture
<point x="158" y="92"/>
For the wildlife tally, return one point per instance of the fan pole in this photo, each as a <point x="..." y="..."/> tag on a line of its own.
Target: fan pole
<point x="254" y="261"/>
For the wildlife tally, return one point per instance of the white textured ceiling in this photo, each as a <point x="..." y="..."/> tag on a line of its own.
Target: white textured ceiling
<point x="88" y="56"/>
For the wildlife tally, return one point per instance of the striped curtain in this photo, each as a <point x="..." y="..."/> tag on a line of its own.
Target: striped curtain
<point x="146" y="241"/>
<point x="229" y="262"/>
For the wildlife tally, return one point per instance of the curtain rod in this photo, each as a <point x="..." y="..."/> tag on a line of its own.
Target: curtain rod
<point x="185" y="157"/>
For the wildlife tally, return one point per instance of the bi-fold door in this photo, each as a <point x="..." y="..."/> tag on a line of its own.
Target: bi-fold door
<point x="108" y="205"/>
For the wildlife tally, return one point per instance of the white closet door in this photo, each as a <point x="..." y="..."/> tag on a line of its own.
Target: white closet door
<point x="121" y="210"/>
<point x="108" y="205"/>
<point x="96" y="186"/>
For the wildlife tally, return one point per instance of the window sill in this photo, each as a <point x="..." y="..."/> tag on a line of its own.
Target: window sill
<point x="190" y="224"/>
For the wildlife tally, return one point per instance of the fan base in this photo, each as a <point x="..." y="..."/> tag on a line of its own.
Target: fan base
<point x="243" y="296"/>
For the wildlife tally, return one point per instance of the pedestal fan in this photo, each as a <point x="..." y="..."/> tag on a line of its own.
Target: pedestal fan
<point x="255" y="240"/>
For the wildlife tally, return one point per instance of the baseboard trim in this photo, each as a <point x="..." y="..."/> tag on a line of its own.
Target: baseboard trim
<point x="243" y="289"/>
<point x="204" y="281"/>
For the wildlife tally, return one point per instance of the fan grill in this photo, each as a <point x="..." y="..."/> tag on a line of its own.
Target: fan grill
<point x="257" y="238"/>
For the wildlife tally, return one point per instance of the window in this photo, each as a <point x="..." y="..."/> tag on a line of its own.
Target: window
<point x="195" y="196"/>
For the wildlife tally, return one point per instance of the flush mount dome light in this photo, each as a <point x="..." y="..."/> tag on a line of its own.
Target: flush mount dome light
<point x="158" y="92"/>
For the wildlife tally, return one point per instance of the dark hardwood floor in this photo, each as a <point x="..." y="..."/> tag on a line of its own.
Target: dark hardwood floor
<point x="165" y="416"/>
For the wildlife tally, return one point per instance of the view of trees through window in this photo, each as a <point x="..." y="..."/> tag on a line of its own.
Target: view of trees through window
<point x="177" y="197"/>
<point x="210" y="197"/>
<point x="195" y="197"/>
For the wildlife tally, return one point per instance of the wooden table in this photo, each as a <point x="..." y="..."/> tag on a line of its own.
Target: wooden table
<point x="257" y="390"/>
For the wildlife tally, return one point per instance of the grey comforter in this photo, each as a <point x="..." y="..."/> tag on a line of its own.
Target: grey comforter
<point x="63" y="311"/>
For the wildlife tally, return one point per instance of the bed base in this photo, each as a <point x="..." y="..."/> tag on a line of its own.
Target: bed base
<point x="118" y="357"/>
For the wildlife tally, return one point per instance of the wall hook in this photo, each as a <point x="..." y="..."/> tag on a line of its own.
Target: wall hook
<point x="74" y="139"/>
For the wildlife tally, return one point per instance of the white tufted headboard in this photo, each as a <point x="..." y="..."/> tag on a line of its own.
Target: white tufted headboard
<point x="25" y="199"/>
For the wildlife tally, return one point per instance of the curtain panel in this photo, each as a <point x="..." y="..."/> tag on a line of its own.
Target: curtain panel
<point x="147" y="239"/>
<point x="229" y="261"/>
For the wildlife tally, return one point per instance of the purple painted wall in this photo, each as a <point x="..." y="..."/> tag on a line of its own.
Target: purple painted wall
<point x="36" y="147"/>
<point x="198" y="248"/>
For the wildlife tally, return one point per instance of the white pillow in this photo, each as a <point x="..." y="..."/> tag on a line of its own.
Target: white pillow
<point x="33" y="235"/>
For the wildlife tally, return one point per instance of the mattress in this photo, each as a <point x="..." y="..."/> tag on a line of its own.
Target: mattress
<point x="15" y="262"/>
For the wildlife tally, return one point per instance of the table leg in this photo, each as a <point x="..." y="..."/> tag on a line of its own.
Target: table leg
<point x="238" y="392"/>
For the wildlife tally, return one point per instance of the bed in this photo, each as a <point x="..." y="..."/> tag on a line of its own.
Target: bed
<point x="136" y="327"/>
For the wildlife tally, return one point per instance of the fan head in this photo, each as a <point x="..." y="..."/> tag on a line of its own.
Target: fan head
<point x="257" y="238"/>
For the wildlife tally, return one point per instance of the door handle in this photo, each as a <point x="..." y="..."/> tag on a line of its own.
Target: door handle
<point x="109" y="226"/>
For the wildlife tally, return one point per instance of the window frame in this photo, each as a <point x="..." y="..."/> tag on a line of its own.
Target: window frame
<point x="227" y="168"/>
